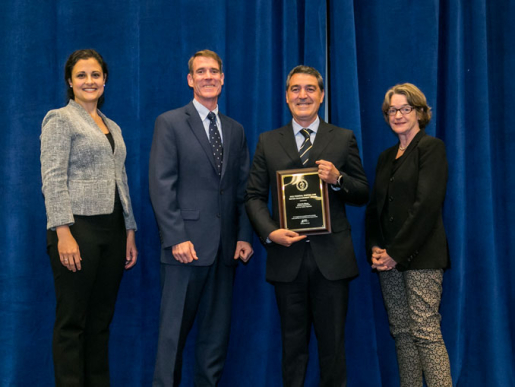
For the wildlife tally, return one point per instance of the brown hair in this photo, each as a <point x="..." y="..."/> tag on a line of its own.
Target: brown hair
<point x="415" y="98"/>
<point x="207" y="54"/>
<point x="72" y="61"/>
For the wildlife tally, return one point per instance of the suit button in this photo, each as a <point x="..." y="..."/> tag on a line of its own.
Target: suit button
<point x="391" y="218"/>
<point x="221" y="192"/>
<point x="217" y="215"/>
<point x="392" y="178"/>
<point x="390" y="198"/>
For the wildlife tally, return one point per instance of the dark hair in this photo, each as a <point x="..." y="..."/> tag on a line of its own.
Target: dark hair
<point x="207" y="54"/>
<point x="415" y="98"/>
<point x="72" y="61"/>
<point x="301" y="69"/>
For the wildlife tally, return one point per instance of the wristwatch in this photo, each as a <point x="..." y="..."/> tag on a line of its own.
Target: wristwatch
<point x="339" y="181"/>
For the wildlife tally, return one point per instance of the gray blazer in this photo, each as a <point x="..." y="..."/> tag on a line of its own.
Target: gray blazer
<point x="79" y="169"/>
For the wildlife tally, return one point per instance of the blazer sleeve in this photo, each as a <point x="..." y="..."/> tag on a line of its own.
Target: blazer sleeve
<point x="130" y="221"/>
<point x="55" y="154"/>
<point x="373" y="234"/>
<point x="256" y="197"/>
<point x="425" y="211"/>
<point x="354" y="187"/>
<point x="163" y="180"/>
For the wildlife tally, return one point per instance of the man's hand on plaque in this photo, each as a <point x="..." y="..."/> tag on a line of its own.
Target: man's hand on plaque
<point x="327" y="171"/>
<point x="285" y="237"/>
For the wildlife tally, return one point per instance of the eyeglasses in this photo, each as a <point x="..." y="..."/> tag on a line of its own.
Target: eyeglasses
<point x="404" y="110"/>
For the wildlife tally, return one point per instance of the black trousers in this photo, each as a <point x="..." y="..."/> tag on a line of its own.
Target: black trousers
<point x="86" y="299"/>
<point x="313" y="299"/>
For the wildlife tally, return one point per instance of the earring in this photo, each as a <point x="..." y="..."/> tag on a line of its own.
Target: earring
<point x="104" y="85"/>
<point x="71" y="86"/>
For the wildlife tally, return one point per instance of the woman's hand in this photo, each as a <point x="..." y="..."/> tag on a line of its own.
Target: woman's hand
<point x="132" y="251"/>
<point x="68" y="248"/>
<point x="381" y="261"/>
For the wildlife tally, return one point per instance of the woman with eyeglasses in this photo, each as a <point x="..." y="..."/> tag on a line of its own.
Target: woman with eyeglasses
<point x="90" y="221"/>
<point x="406" y="241"/>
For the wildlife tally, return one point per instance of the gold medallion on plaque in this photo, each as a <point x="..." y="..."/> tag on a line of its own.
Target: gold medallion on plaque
<point x="303" y="201"/>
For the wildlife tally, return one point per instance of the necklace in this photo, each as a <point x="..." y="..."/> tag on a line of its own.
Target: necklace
<point x="402" y="149"/>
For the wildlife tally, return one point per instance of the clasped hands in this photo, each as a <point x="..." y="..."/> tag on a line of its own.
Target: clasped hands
<point x="185" y="252"/>
<point x="381" y="261"/>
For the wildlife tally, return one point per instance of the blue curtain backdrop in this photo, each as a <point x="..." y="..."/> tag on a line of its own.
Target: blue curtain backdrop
<point x="459" y="53"/>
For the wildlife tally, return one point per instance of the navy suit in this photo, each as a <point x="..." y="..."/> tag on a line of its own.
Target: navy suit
<point x="193" y="203"/>
<point x="310" y="278"/>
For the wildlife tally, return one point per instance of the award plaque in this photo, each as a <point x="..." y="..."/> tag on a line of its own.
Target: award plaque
<point x="303" y="201"/>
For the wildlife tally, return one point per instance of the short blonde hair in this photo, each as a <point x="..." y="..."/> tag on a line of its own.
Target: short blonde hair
<point x="415" y="98"/>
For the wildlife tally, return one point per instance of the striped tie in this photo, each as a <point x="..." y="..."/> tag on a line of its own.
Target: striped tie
<point x="306" y="146"/>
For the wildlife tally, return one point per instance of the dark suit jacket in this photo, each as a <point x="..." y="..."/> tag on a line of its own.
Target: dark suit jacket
<point x="415" y="190"/>
<point x="277" y="150"/>
<point x="191" y="202"/>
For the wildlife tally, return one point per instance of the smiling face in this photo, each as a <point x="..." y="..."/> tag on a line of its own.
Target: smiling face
<point x="206" y="80"/>
<point x="406" y="124"/>
<point x="87" y="80"/>
<point x="304" y="97"/>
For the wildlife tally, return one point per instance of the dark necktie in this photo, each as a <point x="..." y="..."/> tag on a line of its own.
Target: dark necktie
<point x="306" y="146"/>
<point x="216" y="142"/>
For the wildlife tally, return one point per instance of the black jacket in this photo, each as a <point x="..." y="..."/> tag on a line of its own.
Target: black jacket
<point x="404" y="215"/>
<point x="277" y="150"/>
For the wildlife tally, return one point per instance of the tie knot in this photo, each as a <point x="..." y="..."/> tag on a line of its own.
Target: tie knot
<point x="306" y="132"/>
<point x="211" y="116"/>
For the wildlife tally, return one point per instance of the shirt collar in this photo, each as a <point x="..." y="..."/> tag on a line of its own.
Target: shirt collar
<point x="202" y="110"/>
<point x="297" y="128"/>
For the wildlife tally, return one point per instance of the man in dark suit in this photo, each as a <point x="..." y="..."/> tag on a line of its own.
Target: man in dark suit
<point x="198" y="175"/>
<point x="310" y="274"/>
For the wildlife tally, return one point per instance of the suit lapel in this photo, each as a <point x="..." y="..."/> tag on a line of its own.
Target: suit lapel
<point x="287" y="142"/>
<point x="117" y="138"/>
<point x="411" y="147"/>
<point x="115" y="132"/>
<point x="322" y="139"/>
<point x="389" y="169"/>
<point x="197" y="127"/>
<point x="227" y="135"/>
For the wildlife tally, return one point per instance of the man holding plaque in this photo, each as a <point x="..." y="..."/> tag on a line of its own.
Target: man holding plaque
<point x="310" y="267"/>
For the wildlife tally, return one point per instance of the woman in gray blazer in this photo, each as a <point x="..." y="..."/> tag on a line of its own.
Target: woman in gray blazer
<point x="90" y="221"/>
<point x="406" y="239"/>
